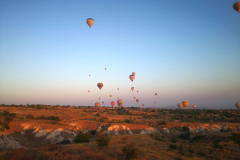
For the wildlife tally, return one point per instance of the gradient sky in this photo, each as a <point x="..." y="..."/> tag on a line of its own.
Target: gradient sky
<point x="183" y="50"/>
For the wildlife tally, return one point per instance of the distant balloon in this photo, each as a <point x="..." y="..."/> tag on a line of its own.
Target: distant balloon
<point x="112" y="103"/>
<point x="99" y="98"/>
<point x="88" y="90"/>
<point x="110" y="95"/>
<point x="156" y="94"/>
<point x="105" y="68"/>
<point x="137" y="91"/>
<point x="132" y="77"/>
<point x="100" y="85"/>
<point x="154" y="102"/>
<point x="237" y="105"/>
<point x="132" y="88"/>
<point x="134" y="97"/>
<point x="117" y="98"/>
<point x="120" y="102"/>
<point x="97" y="104"/>
<point x="133" y="73"/>
<point x="102" y="102"/>
<point x="143" y="105"/>
<point x="90" y="22"/>
<point x="236" y="6"/>
<point x="118" y="89"/>
<point x="194" y="106"/>
<point x="180" y="105"/>
<point x="137" y="100"/>
<point x="185" y="104"/>
<point x="89" y="75"/>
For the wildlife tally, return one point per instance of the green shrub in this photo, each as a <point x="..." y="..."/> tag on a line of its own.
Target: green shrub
<point x="185" y="136"/>
<point x="173" y="146"/>
<point x="127" y="121"/>
<point x="103" y="140"/>
<point x="6" y="113"/>
<point x="174" y="139"/>
<point x="185" y="129"/>
<point x="13" y="115"/>
<point x="82" y="137"/>
<point x="5" y="125"/>
<point x="29" y="116"/>
<point x="130" y="151"/>
<point x="8" y="119"/>
<point x="93" y="132"/>
<point x="216" y="144"/>
<point x="236" y="138"/>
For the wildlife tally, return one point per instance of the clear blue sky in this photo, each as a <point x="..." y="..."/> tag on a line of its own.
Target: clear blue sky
<point x="183" y="50"/>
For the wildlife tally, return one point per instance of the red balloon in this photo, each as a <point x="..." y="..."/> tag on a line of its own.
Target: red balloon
<point x="112" y="103"/>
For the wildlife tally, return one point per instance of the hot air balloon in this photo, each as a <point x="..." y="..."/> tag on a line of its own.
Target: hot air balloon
<point x="120" y="102"/>
<point x="105" y="68"/>
<point x="118" y="89"/>
<point x="102" y="102"/>
<point x="137" y="91"/>
<point x="110" y="95"/>
<point x="154" y="102"/>
<point x="156" y="94"/>
<point x="100" y="85"/>
<point x="88" y="90"/>
<point x="143" y="105"/>
<point x="180" y="105"/>
<point x="185" y="104"/>
<point x="237" y="105"/>
<point x="137" y="100"/>
<point x="236" y="6"/>
<point x="134" y="97"/>
<point x="89" y="75"/>
<point x="133" y="73"/>
<point x="117" y="98"/>
<point x="90" y="22"/>
<point x="97" y="104"/>
<point x="99" y="98"/>
<point x="132" y="77"/>
<point x="132" y="88"/>
<point x="112" y="103"/>
<point x="194" y="106"/>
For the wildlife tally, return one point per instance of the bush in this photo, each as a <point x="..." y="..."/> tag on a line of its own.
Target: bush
<point x="127" y="121"/>
<point x="103" y="140"/>
<point x="93" y="132"/>
<point x="236" y="138"/>
<point x="29" y="116"/>
<point x="82" y="137"/>
<point x="216" y="144"/>
<point x="130" y="151"/>
<point x="185" y="129"/>
<point x="13" y="115"/>
<point x="5" y="125"/>
<point x="174" y="139"/>
<point x="6" y="113"/>
<point x="173" y="146"/>
<point x="8" y="119"/>
<point x="185" y="136"/>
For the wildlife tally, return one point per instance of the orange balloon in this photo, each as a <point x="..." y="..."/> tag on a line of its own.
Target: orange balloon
<point x="99" y="98"/>
<point x="137" y="100"/>
<point x="156" y="94"/>
<point x="105" y="68"/>
<point x="236" y="6"/>
<point x="132" y="77"/>
<point x="143" y="105"/>
<point x="120" y="102"/>
<point x="110" y="95"/>
<point x="88" y="90"/>
<point x="134" y="97"/>
<point x="100" y="85"/>
<point x="102" y="102"/>
<point x="132" y="88"/>
<point x="185" y="104"/>
<point x="90" y="22"/>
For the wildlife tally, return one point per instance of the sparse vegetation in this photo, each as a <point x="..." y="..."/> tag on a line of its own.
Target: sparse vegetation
<point x="103" y="140"/>
<point x="130" y="151"/>
<point x="82" y="137"/>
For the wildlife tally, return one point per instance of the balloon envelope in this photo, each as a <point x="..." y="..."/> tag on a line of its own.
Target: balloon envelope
<point x="132" y="88"/>
<point x="120" y="102"/>
<point x="110" y="95"/>
<point x="133" y="73"/>
<point x="100" y="85"/>
<point x="132" y="77"/>
<point x="194" y="106"/>
<point x="102" y="102"/>
<point x="185" y="104"/>
<point x="105" y="68"/>
<point x="90" y="22"/>
<point x="180" y="105"/>
<point x="88" y="90"/>
<point x="137" y="100"/>
<point x="99" y="98"/>
<point x="236" y="6"/>
<point x="156" y="94"/>
<point x="134" y="97"/>
<point x="97" y="104"/>
<point x="112" y="103"/>
<point x="237" y="105"/>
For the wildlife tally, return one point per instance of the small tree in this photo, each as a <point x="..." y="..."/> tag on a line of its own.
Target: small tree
<point x="103" y="140"/>
<point x="130" y="151"/>
<point x="236" y="138"/>
<point x="93" y="132"/>
<point x="82" y="137"/>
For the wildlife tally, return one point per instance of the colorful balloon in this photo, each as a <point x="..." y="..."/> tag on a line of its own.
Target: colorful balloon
<point x="156" y="94"/>
<point x="237" y="105"/>
<point x="143" y="105"/>
<point x="132" y="88"/>
<point x="117" y="98"/>
<point x="120" y="102"/>
<point x="99" y="98"/>
<point x="118" y="89"/>
<point x="134" y="97"/>
<point x="97" y="104"/>
<point x="88" y="90"/>
<point x="137" y="91"/>
<point x="133" y="73"/>
<point x="105" y="68"/>
<point x="110" y="95"/>
<point x="154" y="102"/>
<point x="112" y="103"/>
<point x="185" y="104"/>
<point x="90" y="22"/>
<point x="180" y="105"/>
<point x="100" y="85"/>
<point x="137" y="100"/>
<point x="194" y="106"/>
<point x="132" y="77"/>
<point x="89" y="75"/>
<point x="102" y="102"/>
<point x="236" y="6"/>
